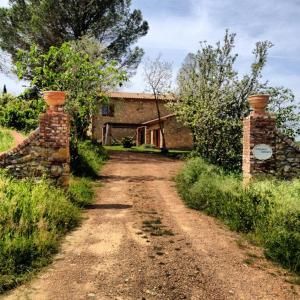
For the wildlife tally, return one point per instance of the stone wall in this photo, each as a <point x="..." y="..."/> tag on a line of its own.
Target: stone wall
<point x="129" y="111"/>
<point x="45" y="152"/>
<point x="287" y="157"/>
<point x="177" y="136"/>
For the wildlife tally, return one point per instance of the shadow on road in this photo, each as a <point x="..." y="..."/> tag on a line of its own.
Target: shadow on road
<point x="109" y="206"/>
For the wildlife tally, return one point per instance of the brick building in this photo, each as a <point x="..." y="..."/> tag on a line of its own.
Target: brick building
<point x="135" y="114"/>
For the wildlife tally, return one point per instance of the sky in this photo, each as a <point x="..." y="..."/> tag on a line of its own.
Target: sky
<point x="177" y="27"/>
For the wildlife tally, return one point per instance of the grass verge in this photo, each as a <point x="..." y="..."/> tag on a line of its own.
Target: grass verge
<point x="268" y="210"/>
<point x="35" y="215"/>
<point x="143" y="149"/>
<point x="6" y="140"/>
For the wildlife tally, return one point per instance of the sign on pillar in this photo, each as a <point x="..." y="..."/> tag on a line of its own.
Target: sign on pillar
<point x="259" y="139"/>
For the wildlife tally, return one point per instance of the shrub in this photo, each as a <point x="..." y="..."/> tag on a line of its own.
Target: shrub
<point x="268" y="209"/>
<point x="128" y="142"/>
<point x="19" y="113"/>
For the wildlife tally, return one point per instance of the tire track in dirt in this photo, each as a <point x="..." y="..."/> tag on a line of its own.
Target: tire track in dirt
<point x="138" y="241"/>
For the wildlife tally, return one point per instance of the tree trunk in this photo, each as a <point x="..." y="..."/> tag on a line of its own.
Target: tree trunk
<point x="164" y="148"/>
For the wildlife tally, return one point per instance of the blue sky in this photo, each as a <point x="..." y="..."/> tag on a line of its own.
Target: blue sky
<point x="177" y="26"/>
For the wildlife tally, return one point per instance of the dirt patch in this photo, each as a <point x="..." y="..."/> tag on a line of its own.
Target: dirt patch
<point x="140" y="242"/>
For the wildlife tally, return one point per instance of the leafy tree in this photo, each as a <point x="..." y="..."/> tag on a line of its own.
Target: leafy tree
<point x="49" y="23"/>
<point x="283" y="104"/>
<point x="4" y="89"/>
<point x="212" y="98"/>
<point x="84" y="78"/>
<point x="158" y="78"/>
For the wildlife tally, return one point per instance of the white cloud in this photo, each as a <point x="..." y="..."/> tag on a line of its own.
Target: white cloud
<point x="175" y="35"/>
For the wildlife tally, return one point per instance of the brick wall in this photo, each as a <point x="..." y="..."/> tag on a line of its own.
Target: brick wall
<point x="260" y="128"/>
<point x="44" y="152"/>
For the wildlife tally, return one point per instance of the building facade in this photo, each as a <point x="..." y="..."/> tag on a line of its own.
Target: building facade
<point x="135" y="115"/>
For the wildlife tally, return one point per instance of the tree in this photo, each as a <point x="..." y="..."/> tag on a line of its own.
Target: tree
<point x="49" y="23"/>
<point x="4" y="90"/>
<point x="158" y="78"/>
<point x="212" y="98"/>
<point x="282" y="103"/>
<point x="85" y="79"/>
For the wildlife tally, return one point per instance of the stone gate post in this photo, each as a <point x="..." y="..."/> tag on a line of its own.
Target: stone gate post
<point x="259" y="139"/>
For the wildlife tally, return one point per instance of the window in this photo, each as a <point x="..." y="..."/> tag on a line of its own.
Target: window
<point x="107" y="110"/>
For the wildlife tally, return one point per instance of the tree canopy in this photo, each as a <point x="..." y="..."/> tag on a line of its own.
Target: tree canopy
<point x="86" y="79"/>
<point x="213" y="97"/>
<point x="49" y="23"/>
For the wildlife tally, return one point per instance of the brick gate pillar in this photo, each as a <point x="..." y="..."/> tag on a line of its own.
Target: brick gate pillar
<point x="54" y="137"/>
<point x="259" y="139"/>
<point x="45" y="152"/>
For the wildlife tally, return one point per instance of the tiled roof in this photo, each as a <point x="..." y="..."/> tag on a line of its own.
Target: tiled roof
<point x="140" y="96"/>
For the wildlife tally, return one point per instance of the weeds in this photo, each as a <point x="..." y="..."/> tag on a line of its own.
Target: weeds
<point x="35" y="215"/>
<point x="6" y="140"/>
<point x="268" y="211"/>
<point x="87" y="159"/>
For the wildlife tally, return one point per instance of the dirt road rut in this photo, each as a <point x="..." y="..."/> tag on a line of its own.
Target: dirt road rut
<point x="139" y="241"/>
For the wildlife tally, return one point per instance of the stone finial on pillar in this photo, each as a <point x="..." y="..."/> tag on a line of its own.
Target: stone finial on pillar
<point x="259" y="141"/>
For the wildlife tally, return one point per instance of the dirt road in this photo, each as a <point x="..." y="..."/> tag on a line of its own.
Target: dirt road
<point x="140" y="242"/>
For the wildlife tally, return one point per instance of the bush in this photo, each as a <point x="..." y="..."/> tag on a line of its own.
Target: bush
<point x="269" y="209"/>
<point x="33" y="216"/>
<point x="128" y="142"/>
<point x="87" y="158"/>
<point x="19" y="113"/>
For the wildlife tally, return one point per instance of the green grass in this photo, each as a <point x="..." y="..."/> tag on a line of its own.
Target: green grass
<point x="142" y="149"/>
<point x="81" y="191"/>
<point x="6" y="140"/>
<point x="268" y="210"/>
<point x="88" y="159"/>
<point x="35" y="215"/>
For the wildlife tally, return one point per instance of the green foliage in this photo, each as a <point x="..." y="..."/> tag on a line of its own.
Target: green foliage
<point x="33" y="216"/>
<point x="49" y="23"/>
<point x="66" y="68"/>
<point x="212" y="99"/>
<point x="86" y="158"/>
<point x="269" y="210"/>
<point x="19" y="113"/>
<point x="283" y="104"/>
<point x="128" y="142"/>
<point x="6" y="140"/>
